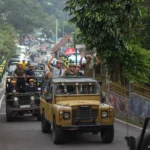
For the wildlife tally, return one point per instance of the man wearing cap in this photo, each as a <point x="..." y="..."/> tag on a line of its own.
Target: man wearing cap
<point x="19" y="71"/>
<point x="30" y="71"/>
<point x="72" y="70"/>
<point x="78" y="70"/>
<point x="31" y="87"/>
<point x="89" y="66"/>
<point x="56" y="71"/>
<point x="12" y="88"/>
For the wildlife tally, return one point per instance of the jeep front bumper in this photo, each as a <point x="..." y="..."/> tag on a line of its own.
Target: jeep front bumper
<point x="36" y="108"/>
<point x="86" y="128"/>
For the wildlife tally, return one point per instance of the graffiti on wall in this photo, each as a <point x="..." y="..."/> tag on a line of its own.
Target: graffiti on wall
<point x="119" y="103"/>
<point x="139" y="105"/>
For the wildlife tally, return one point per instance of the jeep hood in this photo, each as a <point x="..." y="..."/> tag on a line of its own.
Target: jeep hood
<point x="77" y="101"/>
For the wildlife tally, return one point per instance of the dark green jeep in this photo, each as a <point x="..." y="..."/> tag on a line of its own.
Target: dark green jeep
<point x="20" y="103"/>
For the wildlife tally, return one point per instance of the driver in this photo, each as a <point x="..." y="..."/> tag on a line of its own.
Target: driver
<point x="84" y="89"/>
<point x="31" y="87"/>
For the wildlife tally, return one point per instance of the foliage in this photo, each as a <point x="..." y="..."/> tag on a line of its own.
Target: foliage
<point x="7" y="36"/>
<point x="112" y="27"/>
<point x="139" y="60"/>
<point x="145" y="34"/>
<point x="24" y="15"/>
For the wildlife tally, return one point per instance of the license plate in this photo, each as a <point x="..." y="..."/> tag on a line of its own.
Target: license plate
<point x="25" y="106"/>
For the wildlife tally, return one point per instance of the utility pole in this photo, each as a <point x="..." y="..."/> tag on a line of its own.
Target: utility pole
<point x="56" y="30"/>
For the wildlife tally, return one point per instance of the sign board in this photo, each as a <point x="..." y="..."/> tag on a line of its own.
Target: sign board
<point x="78" y="46"/>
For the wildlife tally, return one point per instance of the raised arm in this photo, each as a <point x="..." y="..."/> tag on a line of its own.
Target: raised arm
<point x="82" y="55"/>
<point x="49" y="62"/>
<point x="97" y="60"/>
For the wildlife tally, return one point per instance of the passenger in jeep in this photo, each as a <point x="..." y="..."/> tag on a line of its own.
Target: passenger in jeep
<point x="19" y="73"/>
<point x="31" y="87"/>
<point x="12" y="88"/>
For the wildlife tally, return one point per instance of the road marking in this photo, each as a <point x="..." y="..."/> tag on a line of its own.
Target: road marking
<point x="129" y="124"/>
<point x="1" y="100"/>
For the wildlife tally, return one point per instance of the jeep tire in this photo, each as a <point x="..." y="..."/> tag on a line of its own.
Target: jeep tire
<point x="45" y="126"/>
<point x="107" y="135"/>
<point x="57" y="134"/>
<point x="9" y="114"/>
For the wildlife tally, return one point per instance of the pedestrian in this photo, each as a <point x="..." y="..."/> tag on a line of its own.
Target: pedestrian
<point x="56" y="71"/>
<point x="31" y="87"/>
<point x="89" y="66"/>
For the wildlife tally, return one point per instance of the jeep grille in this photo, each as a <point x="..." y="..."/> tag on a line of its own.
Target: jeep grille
<point x="24" y="100"/>
<point x="84" y="113"/>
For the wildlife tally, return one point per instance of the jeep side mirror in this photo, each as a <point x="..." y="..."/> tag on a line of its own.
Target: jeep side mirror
<point x="50" y="99"/>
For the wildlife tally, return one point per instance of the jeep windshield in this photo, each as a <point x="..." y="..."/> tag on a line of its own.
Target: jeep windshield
<point x="77" y="89"/>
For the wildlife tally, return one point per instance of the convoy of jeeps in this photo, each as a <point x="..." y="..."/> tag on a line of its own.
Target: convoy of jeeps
<point x="70" y="106"/>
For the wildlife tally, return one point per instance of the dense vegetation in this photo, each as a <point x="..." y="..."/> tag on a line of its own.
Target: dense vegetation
<point x="113" y="29"/>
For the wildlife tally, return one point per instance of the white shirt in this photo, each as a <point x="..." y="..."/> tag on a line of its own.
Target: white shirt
<point x="57" y="72"/>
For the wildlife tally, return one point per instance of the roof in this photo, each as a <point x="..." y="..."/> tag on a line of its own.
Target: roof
<point x="72" y="79"/>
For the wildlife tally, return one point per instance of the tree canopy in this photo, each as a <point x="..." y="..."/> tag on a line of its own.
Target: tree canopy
<point x="113" y="28"/>
<point x="7" y="37"/>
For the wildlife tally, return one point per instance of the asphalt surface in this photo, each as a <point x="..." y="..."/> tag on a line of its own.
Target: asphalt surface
<point x="25" y="134"/>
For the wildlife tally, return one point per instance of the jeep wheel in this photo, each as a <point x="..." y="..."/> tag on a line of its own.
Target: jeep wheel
<point x="38" y="117"/>
<point x="9" y="114"/>
<point x="57" y="134"/>
<point x="45" y="126"/>
<point x="107" y="135"/>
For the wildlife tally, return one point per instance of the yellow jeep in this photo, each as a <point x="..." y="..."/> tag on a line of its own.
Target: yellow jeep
<point x="74" y="104"/>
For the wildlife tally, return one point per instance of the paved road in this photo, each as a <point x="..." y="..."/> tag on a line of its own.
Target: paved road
<point x="25" y="134"/>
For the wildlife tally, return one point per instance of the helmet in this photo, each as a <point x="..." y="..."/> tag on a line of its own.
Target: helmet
<point x="88" y="56"/>
<point x="31" y="80"/>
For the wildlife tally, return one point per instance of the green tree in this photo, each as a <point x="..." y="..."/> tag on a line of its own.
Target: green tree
<point x="24" y="15"/>
<point x="112" y="28"/>
<point x="8" y="35"/>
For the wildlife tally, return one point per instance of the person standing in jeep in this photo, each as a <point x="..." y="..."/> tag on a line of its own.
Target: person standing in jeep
<point x="90" y="65"/>
<point x="56" y="71"/>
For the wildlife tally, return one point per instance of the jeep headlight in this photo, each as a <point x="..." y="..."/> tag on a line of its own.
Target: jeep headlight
<point x="15" y="99"/>
<point x="32" y="98"/>
<point x="66" y="115"/>
<point x="104" y="114"/>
